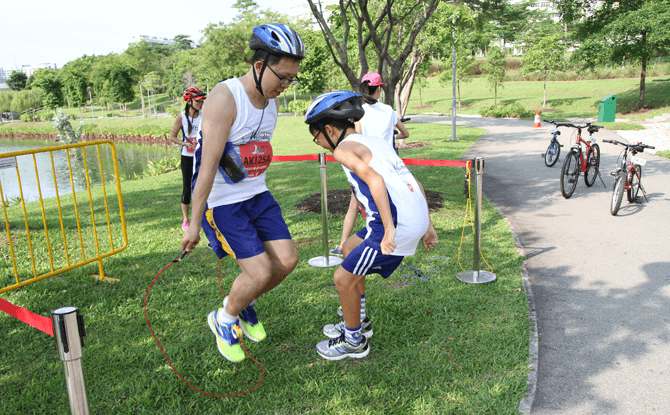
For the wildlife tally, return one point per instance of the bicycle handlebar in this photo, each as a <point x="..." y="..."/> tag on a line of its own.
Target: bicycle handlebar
<point x="405" y="119"/>
<point x="629" y="145"/>
<point x="567" y="124"/>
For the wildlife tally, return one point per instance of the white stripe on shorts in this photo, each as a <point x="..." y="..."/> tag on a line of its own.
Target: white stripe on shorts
<point x="365" y="262"/>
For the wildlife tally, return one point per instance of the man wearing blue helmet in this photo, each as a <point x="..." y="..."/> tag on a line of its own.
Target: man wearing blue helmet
<point x="397" y="216"/>
<point x="230" y="199"/>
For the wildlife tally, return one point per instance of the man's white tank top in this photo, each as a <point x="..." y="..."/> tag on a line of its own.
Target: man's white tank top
<point x="193" y="136"/>
<point x="408" y="205"/>
<point x="250" y="136"/>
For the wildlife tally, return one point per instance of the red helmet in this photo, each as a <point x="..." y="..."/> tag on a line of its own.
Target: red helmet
<point x="195" y="94"/>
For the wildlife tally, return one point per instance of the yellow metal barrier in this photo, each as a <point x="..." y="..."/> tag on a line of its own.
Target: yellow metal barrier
<point x="34" y="252"/>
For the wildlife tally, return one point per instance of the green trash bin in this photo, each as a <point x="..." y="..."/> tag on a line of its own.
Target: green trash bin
<point x="607" y="109"/>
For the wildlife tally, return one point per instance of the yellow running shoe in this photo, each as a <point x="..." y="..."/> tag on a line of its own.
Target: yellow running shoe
<point x="251" y="327"/>
<point x="226" y="337"/>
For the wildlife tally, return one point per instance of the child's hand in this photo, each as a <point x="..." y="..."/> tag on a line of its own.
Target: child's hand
<point x="429" y="239"/>
<point x="388" y="245"/>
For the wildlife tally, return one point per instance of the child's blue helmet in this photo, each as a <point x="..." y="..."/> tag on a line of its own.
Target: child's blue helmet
<point x="337" y="105"/>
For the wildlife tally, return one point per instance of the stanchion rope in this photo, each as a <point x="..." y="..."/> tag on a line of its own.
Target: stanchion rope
<point x="237" y="329"/>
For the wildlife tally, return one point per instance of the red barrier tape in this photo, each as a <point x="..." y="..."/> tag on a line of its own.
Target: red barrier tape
<point x="411" y="162"/>
<point x="39" y="322"/>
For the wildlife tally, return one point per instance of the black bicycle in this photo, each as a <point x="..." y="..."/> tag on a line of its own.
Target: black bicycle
<point x="628" y="174"/>
<point x="554" y="150"/>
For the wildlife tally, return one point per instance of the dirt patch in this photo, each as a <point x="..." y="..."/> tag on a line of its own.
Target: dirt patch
<point x="548" y="110"/>
<point x="416" y="144"/>
<point x="338" y="202"/>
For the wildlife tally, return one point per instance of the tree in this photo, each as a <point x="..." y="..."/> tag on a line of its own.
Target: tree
<point x="635" y="30"/>
<point x="114" y="81"/>
<point x="181" y="42"/>
<point x="17" y="81"/>
<point x="390" y="26"/>
<point x="314" y="68"/>
<point x="495" y="71"/>
<point x="546" y="57"/>
<point x="49" y="82"/>
<point x="75" y="85"/>
<point x="225" y="52"/>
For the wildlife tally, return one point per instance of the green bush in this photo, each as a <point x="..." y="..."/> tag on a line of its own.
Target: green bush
<point x="512" y="110"/>
<point x="27" y="117"/>
<point x="299" y="106"/>
<point x="174" y="110"/>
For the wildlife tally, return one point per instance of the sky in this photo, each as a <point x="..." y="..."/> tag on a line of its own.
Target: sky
<point x="33" y="32"/>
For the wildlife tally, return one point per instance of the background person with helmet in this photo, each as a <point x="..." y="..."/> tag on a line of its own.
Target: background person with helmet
<point x="231" y="201"/>
<point x="188" y="122"/>
<point x="395" y="204"/>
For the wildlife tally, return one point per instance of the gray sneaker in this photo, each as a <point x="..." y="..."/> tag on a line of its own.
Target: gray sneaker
<point x="340" y="348"/>
<point x="335" y="330"/>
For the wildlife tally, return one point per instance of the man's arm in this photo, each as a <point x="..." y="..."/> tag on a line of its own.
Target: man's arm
<point x="356" y="157"/>
<point x="218" y="115"/>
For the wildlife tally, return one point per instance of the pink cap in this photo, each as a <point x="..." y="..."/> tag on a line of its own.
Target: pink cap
<point x="374" y="78"/>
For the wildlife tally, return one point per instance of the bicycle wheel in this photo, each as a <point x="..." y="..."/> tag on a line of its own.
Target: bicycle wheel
<point x="569" y="174"/>
<point x="617" y="193"/>
<point x="592" y="166"/>
<point x="553" y="151"/>
<point x="634" y="188"/>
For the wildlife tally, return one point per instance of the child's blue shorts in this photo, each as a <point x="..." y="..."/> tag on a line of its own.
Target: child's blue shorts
<point x="239" y="229"/>
<point x="365" y="260"/>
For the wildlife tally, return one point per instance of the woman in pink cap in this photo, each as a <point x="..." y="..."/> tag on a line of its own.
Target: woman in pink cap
<point x="379" y="121"/>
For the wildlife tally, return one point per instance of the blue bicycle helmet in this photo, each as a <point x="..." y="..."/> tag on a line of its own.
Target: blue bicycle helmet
<point x="278" y="39"/>
<point x="337" y="105"/>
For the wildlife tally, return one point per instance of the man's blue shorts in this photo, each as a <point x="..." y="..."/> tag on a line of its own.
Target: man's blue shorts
<point x="239" y="229"/>
<point x="366" y="259"/>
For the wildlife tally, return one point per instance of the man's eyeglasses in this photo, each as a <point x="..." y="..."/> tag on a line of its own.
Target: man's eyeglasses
<point x="316" y="138"/>
<point x="285" y="81"/>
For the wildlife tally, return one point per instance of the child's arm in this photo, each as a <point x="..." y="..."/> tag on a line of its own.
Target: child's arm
<point x="356" y="157"/>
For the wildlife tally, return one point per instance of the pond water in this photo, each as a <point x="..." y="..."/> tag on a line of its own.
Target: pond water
<point x="133" y="161"/>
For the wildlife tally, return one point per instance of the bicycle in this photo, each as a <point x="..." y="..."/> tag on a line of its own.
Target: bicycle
<point x="581" y="161"/>
<point x="628" y="175"/>
<point x="554" y="150"/>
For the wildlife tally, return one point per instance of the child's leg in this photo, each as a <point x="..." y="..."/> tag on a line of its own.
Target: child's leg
<point x="350" y="298"/>
<point x="352" y="242"/>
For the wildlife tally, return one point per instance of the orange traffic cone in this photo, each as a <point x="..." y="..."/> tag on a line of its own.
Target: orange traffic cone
<point x="537" y="120"/>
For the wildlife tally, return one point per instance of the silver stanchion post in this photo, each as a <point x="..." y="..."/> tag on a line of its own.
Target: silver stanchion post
<point x="326" y="260"/>
<point x="69" y="333"/>
<point x="476" y="276"/>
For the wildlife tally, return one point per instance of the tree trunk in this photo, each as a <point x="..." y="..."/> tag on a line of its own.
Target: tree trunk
<point x="544" y="103"/>
<point x="495" y="94"/>
<point x="406" y="84"/>
<point x="643" y="74"/>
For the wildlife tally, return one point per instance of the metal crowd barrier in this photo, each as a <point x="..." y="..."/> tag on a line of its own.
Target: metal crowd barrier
<point x="62" y="217"/>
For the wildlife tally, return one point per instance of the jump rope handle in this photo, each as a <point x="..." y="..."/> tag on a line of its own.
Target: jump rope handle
<point x="183" y="254"/>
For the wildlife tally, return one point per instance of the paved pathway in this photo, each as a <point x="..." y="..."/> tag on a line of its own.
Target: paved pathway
<point x="601" y="283"/>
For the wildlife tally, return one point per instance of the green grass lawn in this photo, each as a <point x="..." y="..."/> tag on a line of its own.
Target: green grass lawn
<point x="441" y="346"/>
<point x="564" y="98"/>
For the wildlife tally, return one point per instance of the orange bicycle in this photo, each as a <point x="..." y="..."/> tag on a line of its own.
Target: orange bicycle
<point x="579" y="161"/>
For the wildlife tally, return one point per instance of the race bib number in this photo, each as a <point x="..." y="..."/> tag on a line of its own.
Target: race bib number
<point x="256" y="157"/>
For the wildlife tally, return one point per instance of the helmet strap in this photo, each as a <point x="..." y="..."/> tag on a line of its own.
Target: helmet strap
<point x="339" y="140"/>
<point x="258" y="79"/>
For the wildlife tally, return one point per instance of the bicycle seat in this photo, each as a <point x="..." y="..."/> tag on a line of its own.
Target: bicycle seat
<point x="555" y="131"/>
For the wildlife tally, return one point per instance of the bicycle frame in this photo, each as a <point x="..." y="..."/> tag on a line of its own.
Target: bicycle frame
<point x="578" y="147"/>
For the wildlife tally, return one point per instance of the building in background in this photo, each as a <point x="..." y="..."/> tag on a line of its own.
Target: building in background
<point x="26" y="69"/>
<point x="151" y="40"/>
<point x="300" y="10"/>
